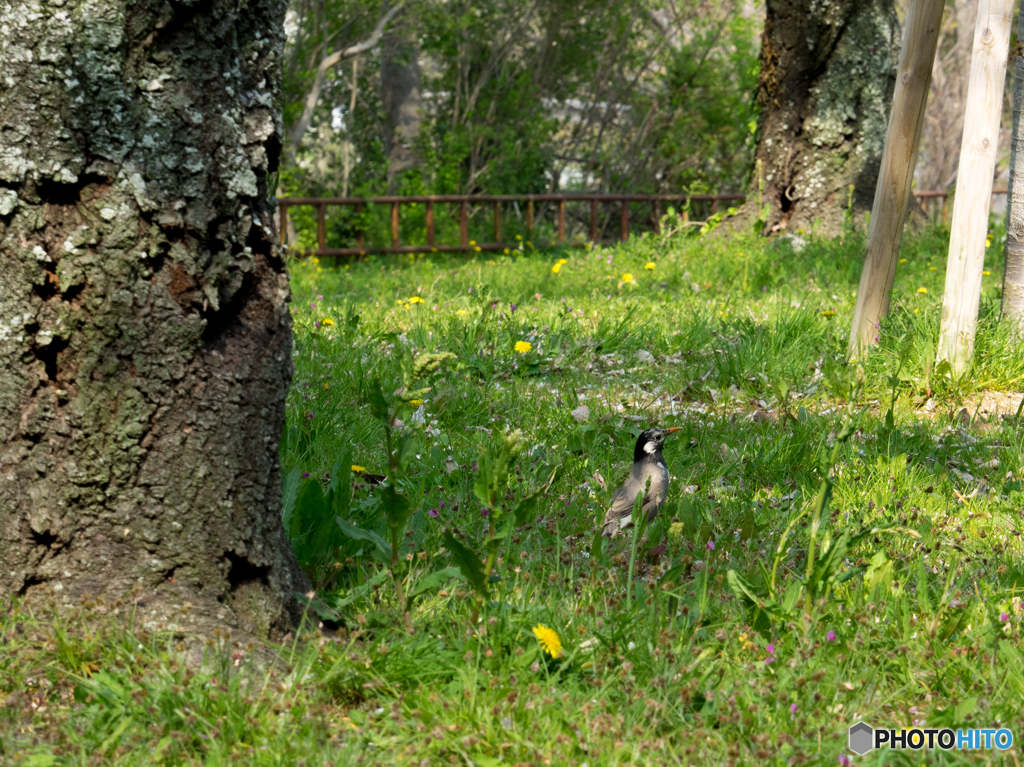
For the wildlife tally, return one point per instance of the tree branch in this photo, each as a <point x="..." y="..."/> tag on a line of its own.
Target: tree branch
<point x="321" y="72"/>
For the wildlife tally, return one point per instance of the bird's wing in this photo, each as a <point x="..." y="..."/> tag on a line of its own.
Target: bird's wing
<point x="621" y="506"/>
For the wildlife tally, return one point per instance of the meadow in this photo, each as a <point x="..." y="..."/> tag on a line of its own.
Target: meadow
<point x="840" y="541"/>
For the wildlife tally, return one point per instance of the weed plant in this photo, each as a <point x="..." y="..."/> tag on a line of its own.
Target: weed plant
<point x="840" y="542"/>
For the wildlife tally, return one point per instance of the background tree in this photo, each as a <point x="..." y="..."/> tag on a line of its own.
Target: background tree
<point x="144" y="332"/>
<point x="826" y="80"/>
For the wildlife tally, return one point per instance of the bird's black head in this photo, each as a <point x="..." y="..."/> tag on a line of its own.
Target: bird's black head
<point x="648" y="444"/>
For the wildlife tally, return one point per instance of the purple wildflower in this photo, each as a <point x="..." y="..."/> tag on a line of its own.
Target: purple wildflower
<point x="831" y="635"/>
<point x="844" y="760"/>
<point x="771" y="649"/>
<point x="309" y="415"/>
<point x="317" y="323"/>
<point x="312" y="304"/>
<point x="474" y="466"/>
<point x="1004" y="617"/>
<point x="513" y="307"/>
<point x="319" y="298"/>
<point x="794" y="708"/>
<point x="484" y="511"/>
<point x="305" y="474"/>
<point x="769" y="659"/>
<point x="433" y="513"/>
<point x="710" y="546"/>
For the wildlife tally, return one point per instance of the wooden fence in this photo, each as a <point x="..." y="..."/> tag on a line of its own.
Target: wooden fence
<point x="496" y="201"/>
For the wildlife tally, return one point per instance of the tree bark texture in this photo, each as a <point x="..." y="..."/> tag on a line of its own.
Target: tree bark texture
<point x="1013" y="274"/>
<point x="827" y="76"/>
<point x="145" y="343"/>
<point x="400" y="94"/>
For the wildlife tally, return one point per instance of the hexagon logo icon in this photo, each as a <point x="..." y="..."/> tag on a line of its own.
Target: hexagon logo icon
<point x="861" y="738"/>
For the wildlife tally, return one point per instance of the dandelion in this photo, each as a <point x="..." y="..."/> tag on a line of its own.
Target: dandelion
<point x="415" y="300"/>
<point x="650" y="265"/>
<point x="931" y="268"/>
<point x="319" y="269"/>
<point x="315" y="260"/>
<point x="627" y="277"/>
<point x="415" y="402"/>
<point x="987" y="273"/>
<point x="472" y="242"/>
<point x="358" y="469"/>
<point x="831" y="635"/>
<point x="710" y="546"/>
<point x="549" y="640"/>
<point x="556" y="268"/>
<point x="505" y="251"/>
<point x="327" y="321"/>
<point x="563" y="260"/>
<point x="903" y="260"/>
<point x="434" y="513"/>
<point x="523" y="346"/>
<point x="326" y="387"/>
<point x="828" y="313"/>
<point x="922" y="291"/>
<point x="477" y="248"/>
<point x="519" y="236"/>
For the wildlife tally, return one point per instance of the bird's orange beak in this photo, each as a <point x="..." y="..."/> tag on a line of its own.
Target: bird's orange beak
<point x="674" y="428"/>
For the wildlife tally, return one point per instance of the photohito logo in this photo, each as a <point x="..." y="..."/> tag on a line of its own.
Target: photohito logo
<point x="863" y="737"/>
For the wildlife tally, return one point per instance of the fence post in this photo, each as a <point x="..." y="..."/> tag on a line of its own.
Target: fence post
<point x="497" y="222"/>
<point x="284" y="223"/>
<point x="394" y="225"/>
<point x="321" y="225"/>
<point x="430" y="223"/>
<point x="359" y="231"/>
<point x="593" y="221"/>
<point x="561" y="220"/>
<point x="625" y="219"/>
<point x="463" y="225"/>
<point x="529" y="218"/>
<point x="657" y="214"/>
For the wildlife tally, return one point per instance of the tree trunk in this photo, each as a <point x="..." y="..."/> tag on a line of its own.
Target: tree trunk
<point x="400" y="94"/>
<point x="827" y="76"/>
<point x="962" y="294"/>
<point x="144" y="330"/>
<point x="1013" y="274"/>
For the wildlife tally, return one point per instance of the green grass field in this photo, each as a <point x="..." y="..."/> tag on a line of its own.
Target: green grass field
<point x="841" y="541"/>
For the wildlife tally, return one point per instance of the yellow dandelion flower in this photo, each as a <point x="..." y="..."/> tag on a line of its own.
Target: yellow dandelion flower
<point x="523" y="346"/>
<point x="529" y="243"/>
<point x="563" y="260"/>
<point x="988" y="242"/>
<point x="932" y="268"/>
<point x="399" y="301"/>
<point x="519" y="236"/>
<point x="415" y="402"/>
<point x="415" y="300"/>
<point x="477" y="248"/>
<point x="491" y="263"/>
<point x="556" y="268"/>
<point x="472" y="242"/>
<point x="549" y="640"/>
<point x="358" y="469"/>
<point x="922" y="290"/>
<point x="326" y="321"/>
<point x="326" y="387"/>
<point x="627" y="277"/>
<point x="505" y="251"/>
<point x="319" y="269"/>
<point x="828" y="313"/>
<point x="986" y="273"/>
<point x="650" y="265"/>
<point x="903" y="260"/>
<point x="462" y="311"/>
<point x="315" y="260"/>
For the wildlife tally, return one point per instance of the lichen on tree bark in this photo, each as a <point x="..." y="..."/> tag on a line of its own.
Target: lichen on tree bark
<point x="144" y="332"/>
<point x="827" y="77"/>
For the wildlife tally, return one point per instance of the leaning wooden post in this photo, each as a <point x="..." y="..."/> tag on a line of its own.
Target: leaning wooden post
<point x="974" y="184"/>
<point x="892" y="192"/>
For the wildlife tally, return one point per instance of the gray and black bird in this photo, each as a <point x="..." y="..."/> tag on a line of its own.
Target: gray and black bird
<point x="647" y="462"/>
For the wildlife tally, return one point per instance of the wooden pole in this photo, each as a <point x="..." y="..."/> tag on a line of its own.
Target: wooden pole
<point x="394" y="225"/>
<point x="463" y="225"/>
<point x="284" y="223"/>
<point x="359" y="231"/>
<point x="656" y="215"/>
<point x="973" y="199"/>
<point x="529" y="218"/>
<point x="561" y="220"/>
<point x="593" y="221"/>
<point x="625" y="220"/>
<point x="497" y="222"/>
<point x="430" y="224"/>
<point x="892" y="193"/>
<point x="321" y="225"/>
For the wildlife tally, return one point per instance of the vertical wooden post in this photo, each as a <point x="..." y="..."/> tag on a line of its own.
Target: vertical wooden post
<point x="359" y="231"/>
<point x="561" y="220"/>
<point x="625" y="220"/>
<point x="321" y="226"/>
<point x="973" y="199"/>
<point x="284" y="223"/>
<point x="529" y="218"/>
<point x="593" y="221"/>
<point x="656" y="212"/>
<point x="892" y="193"/>
<point x="714" y="205"/>
<point x="463" y="225"/>
<point x="497" y="222"/>
<point x="394" y="225"/>
<point x="430" y="223"/>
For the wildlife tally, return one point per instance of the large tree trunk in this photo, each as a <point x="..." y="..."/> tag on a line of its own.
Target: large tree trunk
<point x="145" y="341"/>
<point x="400" y="94"/>
<point x="827" y="76"/>
<point x="1013" y="274"/>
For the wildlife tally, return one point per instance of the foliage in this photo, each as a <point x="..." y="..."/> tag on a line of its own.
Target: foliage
<point x="823" y="558"/>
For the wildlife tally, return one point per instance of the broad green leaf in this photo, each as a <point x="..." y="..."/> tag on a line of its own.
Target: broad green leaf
<point x="879" y="573"/>
<point x="436" y="579"/>
<point x="468" y="563"/>
<point x="397" y="508"/>
<point x="289" y="494"/>
<point x="359" y="534"/>
<point x="375" y="398"/>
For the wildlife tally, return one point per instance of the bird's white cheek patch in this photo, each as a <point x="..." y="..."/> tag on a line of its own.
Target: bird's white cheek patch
<point x="625" y="521"/>
<point x="650" y="447"/>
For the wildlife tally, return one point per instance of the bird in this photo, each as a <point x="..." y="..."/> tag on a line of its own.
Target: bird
<point x="648" y="462"/>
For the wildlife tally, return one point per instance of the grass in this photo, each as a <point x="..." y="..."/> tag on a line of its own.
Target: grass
<point x="841" y="541"/>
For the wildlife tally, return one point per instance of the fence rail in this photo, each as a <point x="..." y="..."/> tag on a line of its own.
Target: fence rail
<point x="596" y="200"/>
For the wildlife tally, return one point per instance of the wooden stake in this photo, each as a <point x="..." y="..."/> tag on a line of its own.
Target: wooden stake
<point x="463" y="225"/>
<point x="529" y="218"/>
<point x="321" y="225"/>
<point x="497" y="222"/>
<point x="593" y="221"/>
<point x="561" y="220"/>
<point x="625" y="220"/>
<point x="892" y="192"/>
<point x="430" y="224"/>
<point x="394" y="225"/>
<point x="973" y="198"/>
